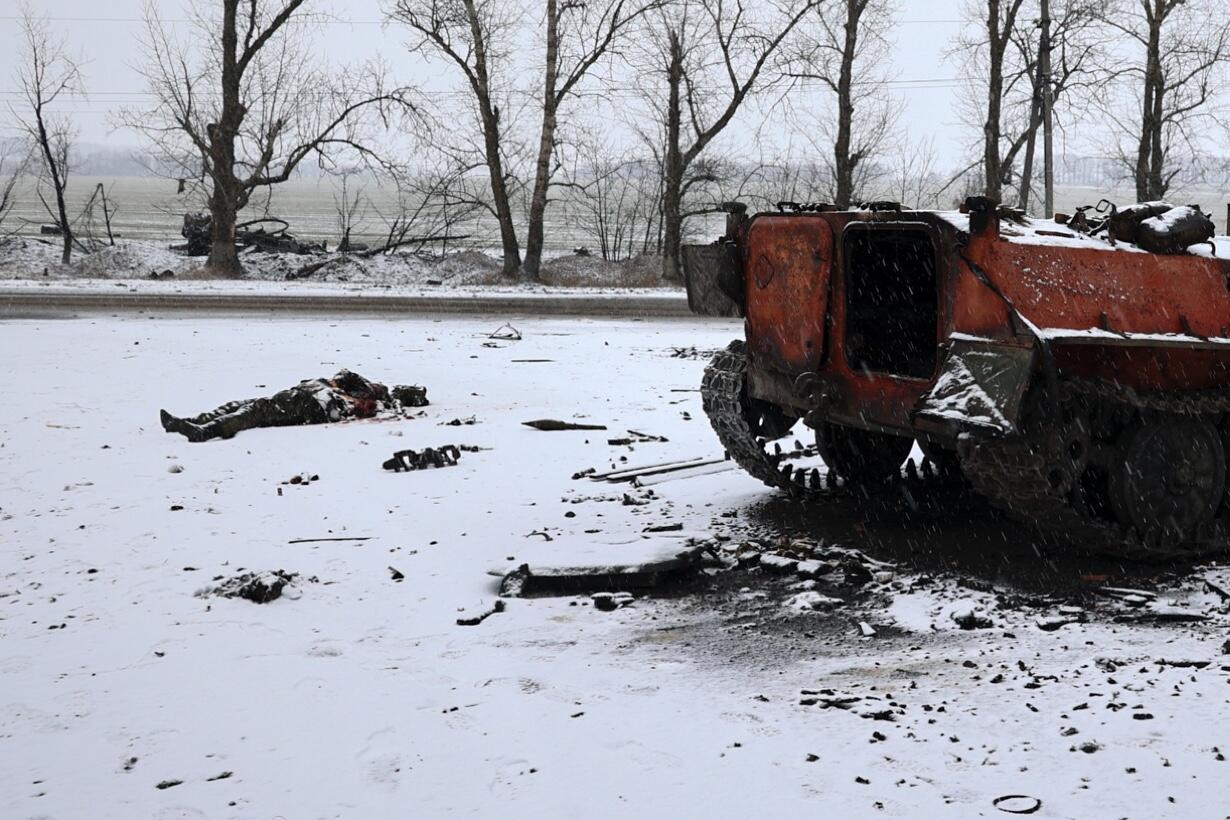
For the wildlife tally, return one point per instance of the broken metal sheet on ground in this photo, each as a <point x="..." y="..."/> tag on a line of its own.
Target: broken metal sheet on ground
<point x="637" y="437"/>
<point x="555" y="425"/>
<point x="625" y="474"/>
<point x="634" y="562"/>
<point x="680" y="474"/>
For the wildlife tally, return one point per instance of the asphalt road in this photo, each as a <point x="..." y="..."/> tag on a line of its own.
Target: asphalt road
<point x="25" y="302"/>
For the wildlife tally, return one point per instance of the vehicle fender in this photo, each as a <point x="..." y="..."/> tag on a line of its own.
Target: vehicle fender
<point x="980" y="388"/>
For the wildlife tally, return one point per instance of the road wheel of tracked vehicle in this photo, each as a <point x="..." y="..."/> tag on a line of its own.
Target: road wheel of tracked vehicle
<point x="860" y="456"/>
<point x="767" y="421"/>
<point x="1171" y="478"/>
<point x="945" y="462"/>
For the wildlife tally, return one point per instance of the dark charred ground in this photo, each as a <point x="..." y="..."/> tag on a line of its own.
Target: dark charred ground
<point x="946" y="542"/>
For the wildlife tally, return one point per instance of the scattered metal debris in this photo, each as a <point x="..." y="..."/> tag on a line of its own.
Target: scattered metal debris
<point x="636" y="437"/>
<point x="971" y="618"/>
<point x="322" y="540"/>
<point x="555" y="425"/>
<point x="1017" y="804"/>
<point x="1214" y="588"/>
<point x="1056" y="622"/>
<point x="629" y="474"/>
<point x="683" y="474"/>
<point x="611" y="601"/>
<point x="475" y="620"/>
<point x="405" y="461"/>
<point x="506" y="333"/>
<point x="198" y="227"/>
<point x="673" y="559"/>
<point x="691" y="353"/>
<point x="1183" y="664"/>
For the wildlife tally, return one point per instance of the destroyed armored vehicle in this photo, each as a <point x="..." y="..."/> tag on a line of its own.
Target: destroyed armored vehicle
<point x="1077" y="380"/>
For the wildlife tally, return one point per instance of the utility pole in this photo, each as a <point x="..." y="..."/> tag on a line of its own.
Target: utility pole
<point x="1048" y="109"/>
<point x="1035" y="122"/>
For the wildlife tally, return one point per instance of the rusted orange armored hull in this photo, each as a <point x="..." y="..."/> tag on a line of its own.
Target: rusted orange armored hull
<point x="1076" y="381"/>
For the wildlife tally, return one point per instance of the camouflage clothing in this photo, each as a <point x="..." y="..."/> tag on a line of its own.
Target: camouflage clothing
<point x="314" y="401"/>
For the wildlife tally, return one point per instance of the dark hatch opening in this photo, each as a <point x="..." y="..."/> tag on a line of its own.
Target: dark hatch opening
<point x="892" y="295"/>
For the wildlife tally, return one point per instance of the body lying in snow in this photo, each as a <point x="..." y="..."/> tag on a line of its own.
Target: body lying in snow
<point x="313" y="401"/>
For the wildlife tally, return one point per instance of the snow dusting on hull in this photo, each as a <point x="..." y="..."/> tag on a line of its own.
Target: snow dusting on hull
<point x="1047" y="232"/>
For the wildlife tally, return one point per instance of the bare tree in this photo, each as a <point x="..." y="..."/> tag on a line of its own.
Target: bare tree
<point x="618" y="199"/>
<point x="434" y="206"/>
<point x="708" y="57"/>
<point x="46" y="75"/>
<point x="1078" y="47"/>
<point x="1166" y="93"/>
<point x="986" y="45"/>
<point x="792" y="181"/>
<point x="476" y="38"/>
<point x="844" y="47"/>
<point x="241" y="104"/>
<point x="578" y="35"/>
<point x="350" y="207"/>
<point x="87" y="231"/>
<point x="913" y="179"/>
<point x="11" y="170"/>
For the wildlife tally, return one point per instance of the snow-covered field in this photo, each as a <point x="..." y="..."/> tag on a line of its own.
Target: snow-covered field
<point x="742" y="693"/>
<point x="152" y="261"/>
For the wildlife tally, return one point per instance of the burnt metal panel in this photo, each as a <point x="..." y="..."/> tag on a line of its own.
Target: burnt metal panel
<point x="713" y="274"/>
<point x="788" y="264"/>
<point x="981" y="386"/>
<point x="1058" y="286"/>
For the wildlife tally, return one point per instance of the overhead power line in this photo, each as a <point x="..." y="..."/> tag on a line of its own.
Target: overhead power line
<point x="326" y="21"/>
<point x="137" y="96"/>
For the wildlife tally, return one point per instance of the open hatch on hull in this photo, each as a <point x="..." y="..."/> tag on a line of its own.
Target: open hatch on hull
<point x="892" y="299"/>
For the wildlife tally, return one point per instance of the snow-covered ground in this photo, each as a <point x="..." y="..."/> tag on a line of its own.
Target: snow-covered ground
<point x="152" y="262"/>
<point x="744" y="693"/>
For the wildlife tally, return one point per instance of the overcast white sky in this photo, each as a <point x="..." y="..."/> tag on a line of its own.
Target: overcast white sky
<point x="105" y="31"/>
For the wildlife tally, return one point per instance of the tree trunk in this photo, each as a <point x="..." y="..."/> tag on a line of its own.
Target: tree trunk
<point x="223" y="255"/>
<point x="490" y="114"/>
<point x="1149" y="122"/>
<point x="499" y="195"/>
<point x="59" y="182"/>
<point x="224" y="199"/>
<point x="844" y="165"/>
<point x="66" y="256"/>
<point x="1035" y="120"/>
<point x="673" y="170"/>
<point x="546" y="150"/>
<point x="999" y="34"/>
<point x="991" y="170"/>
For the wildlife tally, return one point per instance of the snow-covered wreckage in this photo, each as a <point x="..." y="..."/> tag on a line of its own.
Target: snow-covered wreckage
<point x="1053" y="364"/>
